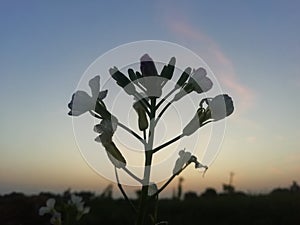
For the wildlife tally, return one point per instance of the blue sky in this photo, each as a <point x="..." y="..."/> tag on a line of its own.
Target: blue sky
<point x="252" y="47"/>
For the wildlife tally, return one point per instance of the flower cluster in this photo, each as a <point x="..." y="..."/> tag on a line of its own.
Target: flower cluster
<point x="82" y="102"/>
<point x="75" y="208"/>
<point x="146" y="87"/>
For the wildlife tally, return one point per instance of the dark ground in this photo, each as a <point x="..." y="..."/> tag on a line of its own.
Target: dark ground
<point x="281" y="207"/>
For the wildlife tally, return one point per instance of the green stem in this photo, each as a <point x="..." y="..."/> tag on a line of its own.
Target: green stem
<point x="167" y="143"/>
<point x="147" y="170"/>
<point x="169" y="181"/>
<point x="165" y="98"/>
<point x="132" y="175"/>
<point x="132" y="132"/>
<point x="123" y="192"/>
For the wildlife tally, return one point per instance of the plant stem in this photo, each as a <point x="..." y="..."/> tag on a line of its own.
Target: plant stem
<point x="132" y="132"/>
<point x="166" y="97"/>
<point x="132" y="175"/>
<point x="148" y="160"/>
<point x="123" y="192"/>
<point x="169" y="181"/>
<point x="167" y="143"/>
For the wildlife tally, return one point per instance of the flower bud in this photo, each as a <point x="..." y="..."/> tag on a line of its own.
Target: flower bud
<point x="147" y="66"/>
<point x="168" y="70"/>
<point x="132" y="74"/>
<point x="142" y="117"/>
<point x="115" y="155"/>
<point x="184" y="76"/>
<point x="195" y="123"/>
<point x="122" y="80"/>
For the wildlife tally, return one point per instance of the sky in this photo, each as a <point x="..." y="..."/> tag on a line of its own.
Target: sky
<point x="252" y="47"/>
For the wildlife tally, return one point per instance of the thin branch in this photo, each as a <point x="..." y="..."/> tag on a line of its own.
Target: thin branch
<point x="169" y="181"/>
<point x="123" y="192"/>
<point x="163" y="110"/>
<point x="167" y="143"/>
<point x="132" y="175"/>
<point x="131" y="131"/>
<point x="145" y="103"/>
<point x="165" y="98"/>
<point x="145" y="135"/>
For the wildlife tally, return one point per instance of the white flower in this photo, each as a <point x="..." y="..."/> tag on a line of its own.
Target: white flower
<point x="220" y="107"/>
<point x="199" y="80"/>
<point x="49" y="208"/>
<point x="56" y="218"/>
<point x="79" y="204"/>
<point x="184" y="157"/>
<point x="82" y="102"/>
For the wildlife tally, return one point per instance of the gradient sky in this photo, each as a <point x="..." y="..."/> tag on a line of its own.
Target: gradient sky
<point x="252" y="47"/>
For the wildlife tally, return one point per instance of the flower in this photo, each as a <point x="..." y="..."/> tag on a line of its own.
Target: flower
<point x="220" y="107"/>
<point x="48" y="208"/>
<point x="198" y="165"/>
<point x="56" y="218"/>
<point x="79" y="204"/>
<point x="197" y="82"/>
<point x="183" y="159"/>
<point x="82" y="102"/>
<point x="150" y="78"/>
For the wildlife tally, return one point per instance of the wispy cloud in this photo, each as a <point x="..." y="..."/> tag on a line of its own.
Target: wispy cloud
<point x="221" y="65"/>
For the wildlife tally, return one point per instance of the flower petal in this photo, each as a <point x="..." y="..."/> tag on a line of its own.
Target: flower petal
<point x="184" y="157"/>
<point x="44" y="210"/>
<point x="220" y="107"/>
<point x="81" y="102"/>
<point x="95" y="86"/>
<point x="50" y="203"/>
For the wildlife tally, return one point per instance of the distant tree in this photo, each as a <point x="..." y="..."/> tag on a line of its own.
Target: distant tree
<point x="209" y="192"/>
<point x="295" y="188"/>
<point x="190" y="195"/>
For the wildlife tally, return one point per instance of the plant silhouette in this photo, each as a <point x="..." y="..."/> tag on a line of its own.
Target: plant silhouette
<point x="146" y="87"/>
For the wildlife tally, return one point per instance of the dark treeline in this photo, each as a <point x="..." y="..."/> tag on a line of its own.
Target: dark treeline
<point x="279" y="207"/>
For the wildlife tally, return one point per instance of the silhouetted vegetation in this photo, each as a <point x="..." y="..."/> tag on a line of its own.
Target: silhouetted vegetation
<point x="280" y="206"/>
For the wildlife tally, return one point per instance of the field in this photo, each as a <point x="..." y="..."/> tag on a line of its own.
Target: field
<point x="280" y="207"/>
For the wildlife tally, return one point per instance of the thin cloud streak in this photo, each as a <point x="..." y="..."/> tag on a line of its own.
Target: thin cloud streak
<point x="220" y="63"/>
